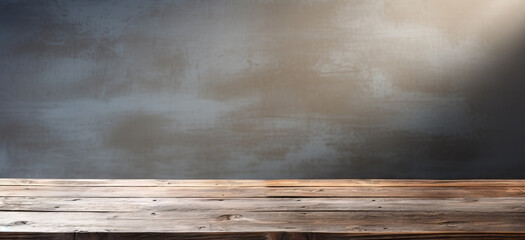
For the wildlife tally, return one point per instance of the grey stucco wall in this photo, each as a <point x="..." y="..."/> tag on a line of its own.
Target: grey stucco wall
<point x="262" y="89"/>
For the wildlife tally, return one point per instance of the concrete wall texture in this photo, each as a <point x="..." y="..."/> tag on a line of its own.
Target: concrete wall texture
<point x="262" y="89"/>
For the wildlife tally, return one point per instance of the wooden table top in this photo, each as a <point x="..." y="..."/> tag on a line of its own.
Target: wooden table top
<point x="261" y="209"/>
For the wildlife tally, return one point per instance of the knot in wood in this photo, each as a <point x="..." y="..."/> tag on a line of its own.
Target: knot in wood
<point x="226" y="217"/>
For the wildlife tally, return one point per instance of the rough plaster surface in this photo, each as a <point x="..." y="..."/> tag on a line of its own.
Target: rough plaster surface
<point x="261" y="89"/>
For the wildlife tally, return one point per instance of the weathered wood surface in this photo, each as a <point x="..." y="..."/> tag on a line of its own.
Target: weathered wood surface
<point x="261" y="209"/>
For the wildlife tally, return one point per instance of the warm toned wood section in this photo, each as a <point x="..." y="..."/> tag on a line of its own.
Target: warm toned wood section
<point x="261" y="209"/>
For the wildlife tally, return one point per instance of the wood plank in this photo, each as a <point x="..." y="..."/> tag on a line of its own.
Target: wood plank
<point x="258" y="236"/>
<point x="261" y="204"/>
<point x="263" y="183"/>
<point x="259" y="192"/>
<point x="261" y="209"/>
<point x="247" y="221"/>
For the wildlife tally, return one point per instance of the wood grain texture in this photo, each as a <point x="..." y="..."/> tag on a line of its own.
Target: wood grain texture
<point x="261" y="209"/>
<point x="256" y="236"/>
<point x="260" y="192"/>
<point x="261" y="183"/>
